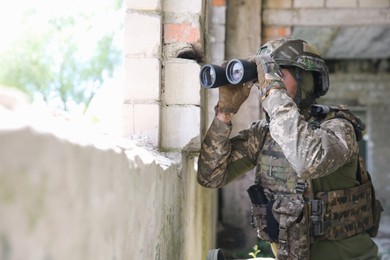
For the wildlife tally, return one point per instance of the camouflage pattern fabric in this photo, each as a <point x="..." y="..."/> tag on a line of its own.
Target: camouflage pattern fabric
<point x="354" y="208"/>
<point x="321" y="154"/>
<point x="231" y="97"/>
<point x="259" y="213"/>
<point x="312" y="153"/>
<point x="222" y="160"/>
<point x="274" y="171"/>
<point x="268" y="74"/>
<point x="294" y="242"/>
<point x="301" y="54"/>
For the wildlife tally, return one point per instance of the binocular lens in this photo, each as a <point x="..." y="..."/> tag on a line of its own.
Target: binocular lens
<point x="208" y="76"/>
<point x="236" y="72"/>
<point x="213" y="76"/>
<point x="241" y="71"/>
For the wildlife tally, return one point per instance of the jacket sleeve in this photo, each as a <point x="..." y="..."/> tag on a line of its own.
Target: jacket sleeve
<point x="312" y="153"/>
<point x="221" y="159"/>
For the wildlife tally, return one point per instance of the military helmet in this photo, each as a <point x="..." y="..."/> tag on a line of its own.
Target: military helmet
<point x="301" y="54"/>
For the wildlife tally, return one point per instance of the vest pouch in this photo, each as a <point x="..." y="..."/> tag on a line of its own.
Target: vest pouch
<point x="260" y="212"/>
<point x="259" y="221"/>
<point x="264" y="222"/>
<point x="376" y="211"/>
<point x="348" y="212"/>
<point x="293" y="242"/>
<point x="272" y="223"/>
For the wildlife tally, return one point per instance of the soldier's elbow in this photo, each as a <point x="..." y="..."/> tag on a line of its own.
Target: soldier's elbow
<point x="206" y="182"/>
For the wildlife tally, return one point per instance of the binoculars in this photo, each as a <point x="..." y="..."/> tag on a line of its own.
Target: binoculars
<point x="237" y="71"/>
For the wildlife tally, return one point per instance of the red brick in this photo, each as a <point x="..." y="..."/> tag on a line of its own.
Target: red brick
<point x="276" y="31"/>
<point x="218" y="3"/>
<point x="181" y="33"/>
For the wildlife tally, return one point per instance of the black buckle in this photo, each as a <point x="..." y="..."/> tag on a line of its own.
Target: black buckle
<point x="301" y="187"/>
<point x="317" y="217"/>
<point x="319" y="110"/>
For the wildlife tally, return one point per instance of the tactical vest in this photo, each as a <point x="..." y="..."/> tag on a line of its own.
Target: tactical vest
<point x="293" y="216"/>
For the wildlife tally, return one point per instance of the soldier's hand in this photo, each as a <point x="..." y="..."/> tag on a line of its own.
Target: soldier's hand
<point x="231" y="97"/>
<point x="268" y="74"/>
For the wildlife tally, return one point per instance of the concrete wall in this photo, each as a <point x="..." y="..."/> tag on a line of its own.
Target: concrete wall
<point x="67" y="192"/>
<point x="280" y="16"/>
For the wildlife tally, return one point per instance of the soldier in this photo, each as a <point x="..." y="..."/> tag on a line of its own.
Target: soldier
<point x="308" y="200"/>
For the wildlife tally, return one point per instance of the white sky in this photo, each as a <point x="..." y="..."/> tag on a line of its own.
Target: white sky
<point x="11" y="27"/>
<point x="11" y="15"/>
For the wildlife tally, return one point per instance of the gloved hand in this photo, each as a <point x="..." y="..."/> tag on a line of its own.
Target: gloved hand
<point x="268" y="74"/>
<point x="231" y="97"/>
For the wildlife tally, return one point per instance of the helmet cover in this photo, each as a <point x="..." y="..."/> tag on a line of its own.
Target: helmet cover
<point x="301" y="54"/>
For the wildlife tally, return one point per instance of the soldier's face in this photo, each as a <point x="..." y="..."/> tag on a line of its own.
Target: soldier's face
<point x="290" y="83"/>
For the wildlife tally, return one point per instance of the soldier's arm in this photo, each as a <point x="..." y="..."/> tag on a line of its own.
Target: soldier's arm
<point x="221" y="159"/>
<point x="312" y="152"/>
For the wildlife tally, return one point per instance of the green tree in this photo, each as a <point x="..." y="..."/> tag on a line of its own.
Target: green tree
<point x="57" y="66"/>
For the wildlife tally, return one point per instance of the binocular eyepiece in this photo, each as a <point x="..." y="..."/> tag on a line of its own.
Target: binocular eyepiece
<point x="237" y="71"/>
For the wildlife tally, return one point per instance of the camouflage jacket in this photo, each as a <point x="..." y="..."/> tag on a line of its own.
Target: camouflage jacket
<point x="312" y="153"/>
<point x="326" y="154"/>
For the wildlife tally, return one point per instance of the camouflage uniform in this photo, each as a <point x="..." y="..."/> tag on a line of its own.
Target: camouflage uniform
<point x="326" y="155"/>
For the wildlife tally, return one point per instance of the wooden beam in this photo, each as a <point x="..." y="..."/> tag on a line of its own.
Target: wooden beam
<point x="326" y="17"/>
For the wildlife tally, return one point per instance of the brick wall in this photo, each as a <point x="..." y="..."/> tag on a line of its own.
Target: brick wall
<point x="163" y="40"/>
<point x="180" y="100"/>
<point x="143" y="48"/>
